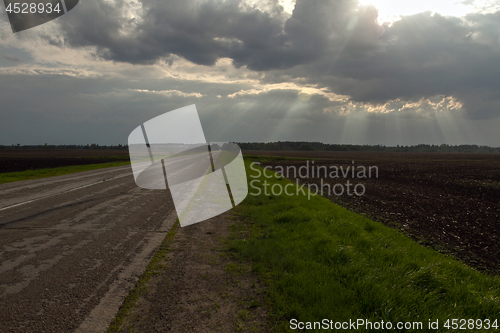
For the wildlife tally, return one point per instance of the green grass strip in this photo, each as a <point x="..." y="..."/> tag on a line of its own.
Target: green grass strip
<point x="10" y="177"/>
<point x="322" y="261"/>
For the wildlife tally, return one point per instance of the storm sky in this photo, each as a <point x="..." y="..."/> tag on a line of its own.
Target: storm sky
<point x="334" y="71"/>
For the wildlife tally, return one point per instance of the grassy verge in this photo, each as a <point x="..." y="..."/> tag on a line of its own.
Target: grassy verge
<point x="51" y="172"/>
<point x="155" y="267"/>
<point x="322" y="261"/>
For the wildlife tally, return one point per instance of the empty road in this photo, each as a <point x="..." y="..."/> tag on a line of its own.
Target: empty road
<point x="72" y="246"/>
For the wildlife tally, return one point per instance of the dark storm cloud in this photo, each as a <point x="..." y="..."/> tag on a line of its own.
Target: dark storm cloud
<point x="203" y="32"/>
<point x="335" y="44"/>
<point x="12" y="58"/>
<point x="199" y="32"/>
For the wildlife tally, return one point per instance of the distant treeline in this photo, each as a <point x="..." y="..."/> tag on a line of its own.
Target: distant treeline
<point x="47" y="146"/>
<point x="301" y="146"/>
<point x="318" y="146"/>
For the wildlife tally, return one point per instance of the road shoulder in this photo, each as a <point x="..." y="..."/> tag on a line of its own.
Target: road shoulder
<point x="196" y="285"/>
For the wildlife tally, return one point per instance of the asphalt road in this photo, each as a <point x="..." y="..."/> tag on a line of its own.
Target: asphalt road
<point x="71" y="248"/>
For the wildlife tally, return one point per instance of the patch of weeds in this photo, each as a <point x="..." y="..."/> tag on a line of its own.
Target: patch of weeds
<point x="254" y="304"/>
<point x="235" y="268"/>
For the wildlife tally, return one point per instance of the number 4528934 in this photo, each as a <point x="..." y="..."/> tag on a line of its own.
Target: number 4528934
<point x="463" y="324"/>
<point x="32" y="8"/>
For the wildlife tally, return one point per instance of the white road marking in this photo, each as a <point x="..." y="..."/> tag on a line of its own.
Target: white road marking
<point x="67" y="191"/>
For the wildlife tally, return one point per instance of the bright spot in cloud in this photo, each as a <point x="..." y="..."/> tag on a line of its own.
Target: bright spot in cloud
<point x="392" y="10"/>
<point x="288" y="5"/>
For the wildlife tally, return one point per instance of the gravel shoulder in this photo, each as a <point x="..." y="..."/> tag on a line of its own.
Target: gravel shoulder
<point x="201" y="286"/>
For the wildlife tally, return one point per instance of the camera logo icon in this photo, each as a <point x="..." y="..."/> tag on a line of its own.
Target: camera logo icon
<point x="26" y="14"/>
<point x="170" y="152"/>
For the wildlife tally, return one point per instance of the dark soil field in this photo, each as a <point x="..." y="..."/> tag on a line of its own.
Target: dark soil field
<point x="12" y="160"/>
<point x="450" y="202"/>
